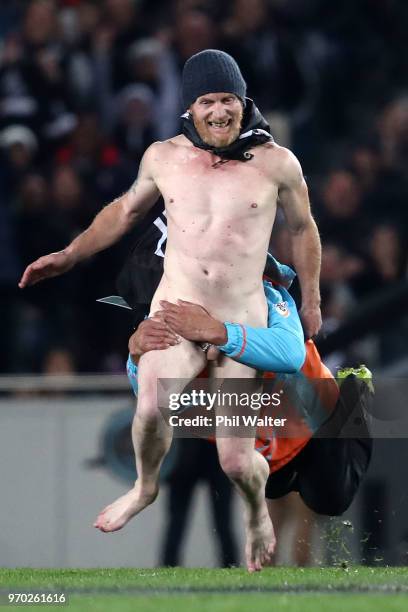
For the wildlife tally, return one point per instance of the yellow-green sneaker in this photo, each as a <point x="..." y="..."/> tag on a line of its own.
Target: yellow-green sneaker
<point x="362" y="372"/>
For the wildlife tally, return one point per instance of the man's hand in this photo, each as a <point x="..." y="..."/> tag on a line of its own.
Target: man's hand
<point x="193" y="322"/>
<point x="312" y="320"/>
<point x="151" y="335"/>
<point x="46" y="267"/>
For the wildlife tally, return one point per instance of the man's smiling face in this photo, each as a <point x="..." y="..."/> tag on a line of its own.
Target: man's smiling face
<point x="217" y="118"/>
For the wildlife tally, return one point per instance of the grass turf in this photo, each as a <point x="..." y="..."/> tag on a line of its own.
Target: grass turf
<point x="201" y="590"/>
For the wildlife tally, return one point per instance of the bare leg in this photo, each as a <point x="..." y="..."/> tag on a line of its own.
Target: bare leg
<point x="279" y="512"/>
<point x="248" y="471"/>
<point x="151" y="436"/>
<point x="292" y="511"/>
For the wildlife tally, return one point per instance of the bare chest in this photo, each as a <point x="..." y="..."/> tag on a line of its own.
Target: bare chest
<point x="198" y="186"/>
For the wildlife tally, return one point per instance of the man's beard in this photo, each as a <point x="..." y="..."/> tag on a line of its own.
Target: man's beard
<point x="218" y="140"/>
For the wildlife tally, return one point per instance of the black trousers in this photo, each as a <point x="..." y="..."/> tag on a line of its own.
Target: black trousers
<point x="197" y="461"/>
<point x="329" y="469"/>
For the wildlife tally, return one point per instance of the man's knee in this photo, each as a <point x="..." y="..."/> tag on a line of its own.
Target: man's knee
<point x="235" y="464"/>
<point x="331" y="471"/>
<point x="147" y="408"/>
<point x="330" y="500"/>
<point x="330" y="506"/>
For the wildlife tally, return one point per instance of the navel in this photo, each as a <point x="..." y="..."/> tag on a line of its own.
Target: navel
<point x="254" y="205"/>
<point x="171" y="200"/>
<point x="205" y="272"/>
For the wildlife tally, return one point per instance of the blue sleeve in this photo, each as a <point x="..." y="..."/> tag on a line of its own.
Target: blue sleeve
<point x="131" y="370"/>
<point x="279" y="347"/>
<point x="278" y="273"/>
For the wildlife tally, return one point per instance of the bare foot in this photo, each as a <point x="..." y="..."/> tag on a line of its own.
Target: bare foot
<point x="260" y="542"/>
<point x="116" y="515"/>
<point x="260" y="535"/>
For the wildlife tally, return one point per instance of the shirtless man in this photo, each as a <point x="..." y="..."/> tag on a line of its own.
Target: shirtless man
<point x="221" y="203"/>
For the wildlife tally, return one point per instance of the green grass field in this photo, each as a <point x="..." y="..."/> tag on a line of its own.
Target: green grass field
<point x="194" y="590"/>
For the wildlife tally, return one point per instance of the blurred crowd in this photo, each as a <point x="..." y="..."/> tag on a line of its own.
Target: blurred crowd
<point x="87" y="85"/>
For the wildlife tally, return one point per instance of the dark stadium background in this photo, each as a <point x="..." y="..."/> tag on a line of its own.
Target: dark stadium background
<point x="86" y="86"/>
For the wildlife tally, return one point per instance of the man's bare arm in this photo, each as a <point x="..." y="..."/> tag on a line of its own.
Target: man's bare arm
<point x="193" y="322"/>
<point x="306" y="246"/>
<point x="152" y="334"/>
<point x="263" y="348"/>
<point x="118" y="217"/>
<point x="109" y="225"/>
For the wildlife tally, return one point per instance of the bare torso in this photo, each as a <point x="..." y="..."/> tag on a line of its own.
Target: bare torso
<point x="219" y="225"/>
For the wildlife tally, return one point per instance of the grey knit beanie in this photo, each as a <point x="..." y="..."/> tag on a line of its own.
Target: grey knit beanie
<point x="211" y="71"/>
